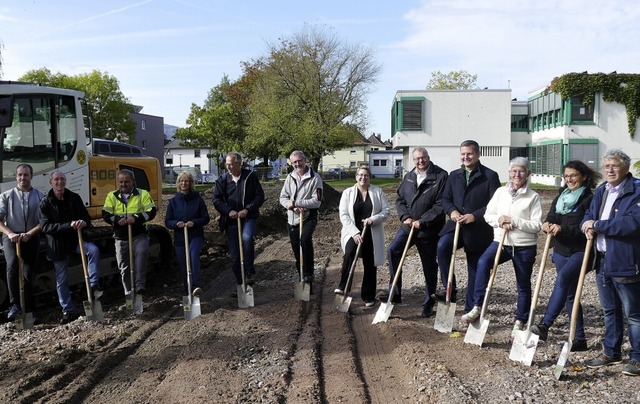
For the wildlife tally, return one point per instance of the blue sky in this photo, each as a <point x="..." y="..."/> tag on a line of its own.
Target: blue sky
<point x="167" y="54"/>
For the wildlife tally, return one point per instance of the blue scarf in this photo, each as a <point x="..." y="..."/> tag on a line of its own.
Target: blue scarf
<point x="567" y="200"/>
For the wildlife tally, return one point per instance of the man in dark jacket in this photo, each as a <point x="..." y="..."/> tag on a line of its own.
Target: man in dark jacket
<point x="465" y="200"/>
<point x="62" y="213"/>
<point x="238" y="194"/>
<point x="419" y="206"/>
<point x="613" y="219"/>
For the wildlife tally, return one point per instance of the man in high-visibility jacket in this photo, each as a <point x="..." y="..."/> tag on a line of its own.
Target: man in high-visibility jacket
<point x="133" y="206"/>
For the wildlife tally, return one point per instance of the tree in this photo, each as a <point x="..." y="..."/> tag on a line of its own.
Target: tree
<point x="309" y="93"/>
<point x="456" y="80"/>
<point x="108" y="107"/>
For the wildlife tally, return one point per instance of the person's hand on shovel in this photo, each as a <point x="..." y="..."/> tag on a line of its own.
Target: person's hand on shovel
<point x="587" y="229"/>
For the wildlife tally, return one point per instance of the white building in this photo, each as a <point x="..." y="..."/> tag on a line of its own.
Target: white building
<point x="176" y="156"/>
<point x="442" y="119"/>
<point x="547" y="129"/>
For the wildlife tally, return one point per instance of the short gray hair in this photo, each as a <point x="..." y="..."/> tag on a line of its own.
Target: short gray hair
<point x="618" y="155"/>
<point x="520" y="162"/>
<point x="237" y="156"/>
<point x="422" y="150"/>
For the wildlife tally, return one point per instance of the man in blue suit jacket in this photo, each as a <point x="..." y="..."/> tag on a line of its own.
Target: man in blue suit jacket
<point x="466" y="195"/>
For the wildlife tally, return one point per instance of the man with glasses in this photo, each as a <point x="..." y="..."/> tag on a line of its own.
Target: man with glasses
<point x="302" y="193"/>
<point x="419" y="206"/>
<point x="613" y="218"/>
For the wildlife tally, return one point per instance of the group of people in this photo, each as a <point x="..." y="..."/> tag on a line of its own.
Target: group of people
<point x="510" y="217"/>
<point x="60" y="214"/>
<point x="489" y="216"/>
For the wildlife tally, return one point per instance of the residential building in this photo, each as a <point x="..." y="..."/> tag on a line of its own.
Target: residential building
<point x="149" y="133"/>
<point x="178" y="155"/>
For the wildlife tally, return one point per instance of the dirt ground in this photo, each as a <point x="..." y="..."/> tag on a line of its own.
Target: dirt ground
<point x="287" y="351"/>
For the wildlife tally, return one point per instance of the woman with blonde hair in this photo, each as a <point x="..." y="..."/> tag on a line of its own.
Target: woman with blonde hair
<point x="187" y="209"/>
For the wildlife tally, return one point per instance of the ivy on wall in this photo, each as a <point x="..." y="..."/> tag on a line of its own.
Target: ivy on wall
<point x="621" y="88"/>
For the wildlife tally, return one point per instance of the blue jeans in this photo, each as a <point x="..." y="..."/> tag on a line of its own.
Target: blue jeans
<point x="619" y="300"/>
<point x="523" y="259"/>
<point x="426" y="250"/>
<point x="445" y="250"/>
<point x="62" y="269"/>
<point x="195" y="246"/>
<point x="248" y="247"/>
<point x="564" y="291"/>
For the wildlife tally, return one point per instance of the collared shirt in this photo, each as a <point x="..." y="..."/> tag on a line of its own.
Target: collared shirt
<point x="420" y="177"/>
<point x="612" y="195"/>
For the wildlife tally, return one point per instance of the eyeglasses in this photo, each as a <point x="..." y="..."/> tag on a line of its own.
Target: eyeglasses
<point x="614" y="167"/>
<point x="571" y="176"/>
<point x="517" y="172"/>
<point x="421" y="158"/>
<point x="362" y="175"/>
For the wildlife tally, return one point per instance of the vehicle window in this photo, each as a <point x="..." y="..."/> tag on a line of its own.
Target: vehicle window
<point x="29" y="138"/>
<point x="142" y="181"/>
<point x="67" y="124"/>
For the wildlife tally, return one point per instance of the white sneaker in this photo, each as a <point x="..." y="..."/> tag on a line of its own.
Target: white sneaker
<point x="518" y="326"/>
<point x="338" y="291"/>
<point x="471" y="316"/>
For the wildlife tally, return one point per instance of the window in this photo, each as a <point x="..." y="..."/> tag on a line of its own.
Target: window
<point x="196" y="153"/>
<point x="491" y="151"/>
<point x="143" y="125"/>
<point x="519" y="123"/>
<point x="379" y="162"/>
<point x="412" y="114"/>
<point x="398" y="163"/>
<point x="546" y="159"/>
<point x="169" y="160"/>
<point x="32" y="136"/>
<point x="376" y="163"/>
<point x="580" y="111"/>
<point x="144" y="144"/>
<point x="352" y="151"/>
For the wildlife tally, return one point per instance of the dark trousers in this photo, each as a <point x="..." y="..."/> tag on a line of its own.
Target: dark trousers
<point x="427" y="251"/>
<point x="29" y="252"/>
<point x="369" y="278"/>
<point x="308" y="227"/>
<point x="445" y="251"/>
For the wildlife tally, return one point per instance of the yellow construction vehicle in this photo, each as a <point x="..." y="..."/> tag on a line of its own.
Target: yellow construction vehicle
<point x="46" y="128"/>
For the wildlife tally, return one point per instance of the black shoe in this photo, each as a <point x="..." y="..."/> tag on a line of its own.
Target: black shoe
<point x="233" y="295"/>
<point x="248" y="280"/>
<point x="14" y="311"/>
<point x="427" y="310"/>
<point x="308" y="278"/>
<point x="442" y="297"/>
<point x="68" y="317"/>
<point x="384" y="297"/>
<point x="37" y="321"/>
<point x="579" y="345"/>
<point x="97" y="292"/>
<point x="542" y="330"/>
<point x="603" y="360"/>
<point x="141" y="291"/>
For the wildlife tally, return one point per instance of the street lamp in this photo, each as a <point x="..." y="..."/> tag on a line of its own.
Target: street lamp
<point x="180" y="159"/>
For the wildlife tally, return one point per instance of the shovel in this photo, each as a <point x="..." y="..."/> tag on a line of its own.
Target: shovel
<point x="566" y="349"/>
<point x="25" y="320"/>
<point x="245" y="292"/>
<point x="384" y="311"/>
<point x="190" y="303"/>
<point x="92" y="307"/>
<point x="301" y="290"/>
<point x="133" y="301"/>
<point x="525" y="342"/>
<point x="478" y="329"/>
<point x="446" y="311"/>
<point x="343" y="301"/>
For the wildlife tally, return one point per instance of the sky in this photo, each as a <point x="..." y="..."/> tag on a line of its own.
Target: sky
<point x="168" y="54"/>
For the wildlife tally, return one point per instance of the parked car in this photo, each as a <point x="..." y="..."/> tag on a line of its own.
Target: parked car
<point x="337" y="171"/>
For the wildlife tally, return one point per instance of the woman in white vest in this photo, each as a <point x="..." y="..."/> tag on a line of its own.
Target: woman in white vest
<point x="360" y="205"/>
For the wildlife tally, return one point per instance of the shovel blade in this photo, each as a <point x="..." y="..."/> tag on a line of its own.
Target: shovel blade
<point x="476" y="332"/>
<point x="137" y="304"/>
<point x="128" y="301"/>
<point x="445" y="315"/>
<point x="24" y="322"/>
<point x="245" y="296"/>
<point x="88" y="309"/>
<point x="342" y="303"/>
<point x="301" y="291"/>
<point x="524" y="347"/>
<point x="191" y="309"/>
<point x="562" y="360"/>
<point x="383" y="313"/>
